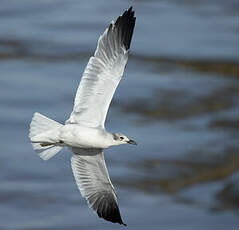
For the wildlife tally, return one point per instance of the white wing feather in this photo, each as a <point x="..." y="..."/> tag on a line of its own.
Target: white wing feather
<point x="93" y="181"/>
<point x="103" y="73"/>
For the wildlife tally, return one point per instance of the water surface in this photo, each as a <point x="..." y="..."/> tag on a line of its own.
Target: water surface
<point x="179" y="100"/>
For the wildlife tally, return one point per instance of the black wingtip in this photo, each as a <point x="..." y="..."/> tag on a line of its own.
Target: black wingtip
<point x="111" y="214"/>
<point x="109" y="210"/>
<point x="124" y="224"/>
<point x="125" y="25"/>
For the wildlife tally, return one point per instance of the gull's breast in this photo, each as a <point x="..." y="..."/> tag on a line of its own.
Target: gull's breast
<point x="75" y="135"/>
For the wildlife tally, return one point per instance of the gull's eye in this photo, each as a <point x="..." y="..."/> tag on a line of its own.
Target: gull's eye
<point x="121" y="138"/>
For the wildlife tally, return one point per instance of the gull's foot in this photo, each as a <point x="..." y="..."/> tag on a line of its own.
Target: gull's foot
<point x="45" y="144"/>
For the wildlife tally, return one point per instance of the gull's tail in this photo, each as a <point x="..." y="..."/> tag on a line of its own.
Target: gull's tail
<point x="42" y="132"/>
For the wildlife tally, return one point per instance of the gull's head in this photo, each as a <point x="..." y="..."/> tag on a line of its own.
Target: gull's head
<point x="119" y="139"/>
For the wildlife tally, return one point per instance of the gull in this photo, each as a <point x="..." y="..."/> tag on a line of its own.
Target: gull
<point x="84" y="132"/>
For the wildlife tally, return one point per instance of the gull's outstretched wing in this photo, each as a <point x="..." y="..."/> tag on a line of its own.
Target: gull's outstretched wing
<point x="103" y="73"/>
<point x="93" y="181"/>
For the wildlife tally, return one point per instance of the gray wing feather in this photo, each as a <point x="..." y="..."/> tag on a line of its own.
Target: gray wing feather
<point x="93" y="181"/>
<point x="103" y="73"/>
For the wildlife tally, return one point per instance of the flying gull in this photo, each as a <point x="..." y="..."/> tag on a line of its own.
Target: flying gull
<point x="84" y="132"/>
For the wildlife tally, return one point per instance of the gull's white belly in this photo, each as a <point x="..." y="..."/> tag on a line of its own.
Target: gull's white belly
<point x="74" y="135"/>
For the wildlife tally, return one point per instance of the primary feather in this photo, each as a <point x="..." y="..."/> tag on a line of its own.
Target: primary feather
<point x="93" y="181"/>
<point x="103" y="73"/>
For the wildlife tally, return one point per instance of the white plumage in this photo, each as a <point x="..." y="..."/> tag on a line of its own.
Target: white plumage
<point x="100" y="80"/>
<point x="84" y="131"/>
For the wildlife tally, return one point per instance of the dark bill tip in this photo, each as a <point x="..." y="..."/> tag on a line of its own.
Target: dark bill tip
<point x="131" y="142"/>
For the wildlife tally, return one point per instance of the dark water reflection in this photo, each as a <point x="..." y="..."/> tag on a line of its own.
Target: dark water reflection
<point x="179" y="101"/>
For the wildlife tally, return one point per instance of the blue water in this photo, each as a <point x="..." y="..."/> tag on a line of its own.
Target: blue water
<point x="167" y="107"/>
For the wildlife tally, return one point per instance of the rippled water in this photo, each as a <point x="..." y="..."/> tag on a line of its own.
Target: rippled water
<point x="179" y="100"/>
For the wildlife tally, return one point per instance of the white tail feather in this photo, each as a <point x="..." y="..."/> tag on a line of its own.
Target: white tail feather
<point x="39" y="125"/>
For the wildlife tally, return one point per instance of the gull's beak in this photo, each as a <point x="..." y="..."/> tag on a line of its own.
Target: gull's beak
<point x="131" y="142"/>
